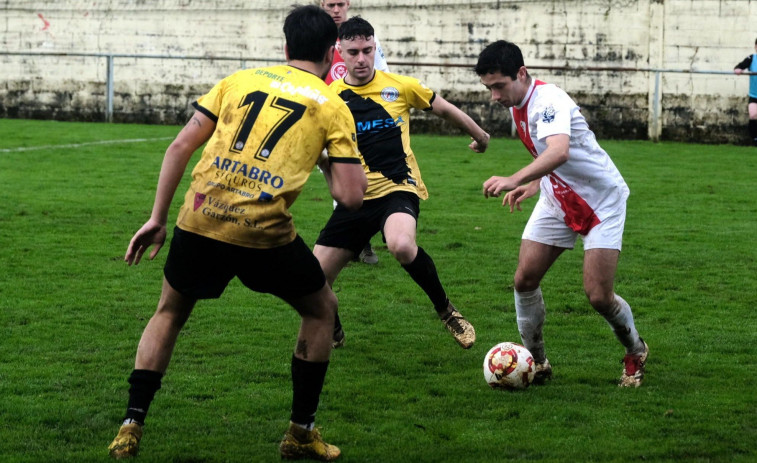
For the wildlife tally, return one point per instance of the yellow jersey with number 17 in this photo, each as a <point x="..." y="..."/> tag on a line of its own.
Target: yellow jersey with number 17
<point x="272" y="124"/>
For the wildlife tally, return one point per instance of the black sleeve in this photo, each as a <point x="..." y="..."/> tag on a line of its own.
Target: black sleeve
<point x="745" y="64"/>
<point x="431" y="103"/>
<point x="205" y="111"/>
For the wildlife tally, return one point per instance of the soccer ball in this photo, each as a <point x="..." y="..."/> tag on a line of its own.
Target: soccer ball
<point x="509" y="366"/>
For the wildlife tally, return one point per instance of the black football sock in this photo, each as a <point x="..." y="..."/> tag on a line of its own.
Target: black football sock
<point x="307" y="383"/>
<point x="753" y="130"/>
<point x="423" y="271"/>
<point x="144" y="385"/>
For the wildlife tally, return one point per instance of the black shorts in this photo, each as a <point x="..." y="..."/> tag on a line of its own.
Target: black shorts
<point x="752" y="99"/>
<point x="201" y="267"/>
<point x="353" y="230"/>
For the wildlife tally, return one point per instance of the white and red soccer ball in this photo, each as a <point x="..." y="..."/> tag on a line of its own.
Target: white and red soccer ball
<point x="509" y="366"/>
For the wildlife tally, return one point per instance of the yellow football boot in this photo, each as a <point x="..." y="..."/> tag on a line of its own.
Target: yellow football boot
<point x="126" y="443"/>
<point x="300" y="443"/>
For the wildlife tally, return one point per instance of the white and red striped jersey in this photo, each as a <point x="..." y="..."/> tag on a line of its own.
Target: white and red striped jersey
<point x="587" y="187"/>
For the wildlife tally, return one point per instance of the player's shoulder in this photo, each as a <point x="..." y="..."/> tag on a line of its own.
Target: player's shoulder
<point x="338" y="85"/>
<point x="544" y="88"/>
<point x="545" y="94"/>
<point x="301" y="84"/>
<point x="385" y="78"/>
<point x="391" y="76"/>
<point x="380" y="79"/>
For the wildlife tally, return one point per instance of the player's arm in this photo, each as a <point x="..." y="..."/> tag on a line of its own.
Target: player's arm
<point x="742" y="66"/>
<point x="555" y="155"/>
<point x="347" y="183"/>
<point x="453" y="114"/>
<point x="197" y="131"/>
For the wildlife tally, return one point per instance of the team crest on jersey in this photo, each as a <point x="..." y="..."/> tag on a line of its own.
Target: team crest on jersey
<point x="390" y="94"/>
<point x="548" y="115"/>
<point x="338" y="71"/>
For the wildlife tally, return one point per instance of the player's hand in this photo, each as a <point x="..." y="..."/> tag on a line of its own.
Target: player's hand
<point x="496" y="185"/>
<point x="516" y="196"/>
<point x="738" y="71"/>
<point x="480" y="145"/>
<point x="152" y="233"/>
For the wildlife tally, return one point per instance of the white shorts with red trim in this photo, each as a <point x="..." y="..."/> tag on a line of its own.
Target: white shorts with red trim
<point x="548" y="227"/>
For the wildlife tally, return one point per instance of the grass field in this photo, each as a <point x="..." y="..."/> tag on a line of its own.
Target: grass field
<point x="71" y="313"/>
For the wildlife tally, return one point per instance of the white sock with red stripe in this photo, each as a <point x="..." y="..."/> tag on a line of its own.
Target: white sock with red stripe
<point x="531" y="312"/>
<point x="620" y="319"/>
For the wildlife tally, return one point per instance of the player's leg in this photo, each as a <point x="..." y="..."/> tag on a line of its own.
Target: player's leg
<point x="602" y="249"/>
<point x="400" y="232"/>
<point x="599" y="275"/>
<point x="153" y="355"/>
<point x="183" y="285"/>
<point x="159" y="337"/>
<point x="752" y="107"/>
<point x="367" y="255"/>
<point x="293" y="274"/>
<point x="341" y="239"/>
<point x="333" y="260"/>
<point x="544" y="239"/>
<point x="534" y="260"/>
<point x="310" y="359"/>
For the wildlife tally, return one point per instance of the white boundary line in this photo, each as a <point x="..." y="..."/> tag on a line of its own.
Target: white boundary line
<point x="77" y="145"/>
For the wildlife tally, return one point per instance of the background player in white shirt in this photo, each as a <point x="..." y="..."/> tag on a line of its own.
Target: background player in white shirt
<point x="338" y="10"/>
<point x="582" y="193"/>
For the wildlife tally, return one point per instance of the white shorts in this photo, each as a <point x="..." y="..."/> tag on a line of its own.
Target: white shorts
<point x="546" y="227"/>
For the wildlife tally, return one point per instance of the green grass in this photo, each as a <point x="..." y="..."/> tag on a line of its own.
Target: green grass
<point x="71" y="313"/>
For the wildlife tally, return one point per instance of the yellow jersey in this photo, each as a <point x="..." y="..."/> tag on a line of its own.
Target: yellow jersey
<point x="381" y="109"/>
<point x="271" y="126"/>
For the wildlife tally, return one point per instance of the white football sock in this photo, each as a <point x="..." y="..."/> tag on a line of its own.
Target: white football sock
<point x="530" y="311"/>
<point x="620" y="319"/>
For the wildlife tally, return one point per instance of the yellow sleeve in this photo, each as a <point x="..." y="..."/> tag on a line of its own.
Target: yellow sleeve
<point x="341" y="139"/>
<point x="418" y="95"/>
<point x="210" y="103"/>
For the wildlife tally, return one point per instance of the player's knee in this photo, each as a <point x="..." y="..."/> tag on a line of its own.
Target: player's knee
<point x="327" y="306"/>
<point x="173" y="314"/>
<point x="404" y="250"/>
<point x="523" y="282"/>
<point x="601" y="300"/>
<point x="323" y="307"/>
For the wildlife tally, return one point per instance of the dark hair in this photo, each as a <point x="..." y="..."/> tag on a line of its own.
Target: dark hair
<point x="355" y="27"/>
<point x="501" y="56"/>
<point x="309" y="33"/>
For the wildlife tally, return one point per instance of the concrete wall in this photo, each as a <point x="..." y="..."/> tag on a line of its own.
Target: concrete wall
<point x="436" y="40"/>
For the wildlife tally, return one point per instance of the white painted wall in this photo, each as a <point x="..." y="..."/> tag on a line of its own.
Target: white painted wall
<point x="672" y="34"/>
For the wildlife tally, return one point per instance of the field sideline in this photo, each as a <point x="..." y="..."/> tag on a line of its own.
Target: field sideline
<point x="71" y="313"/>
